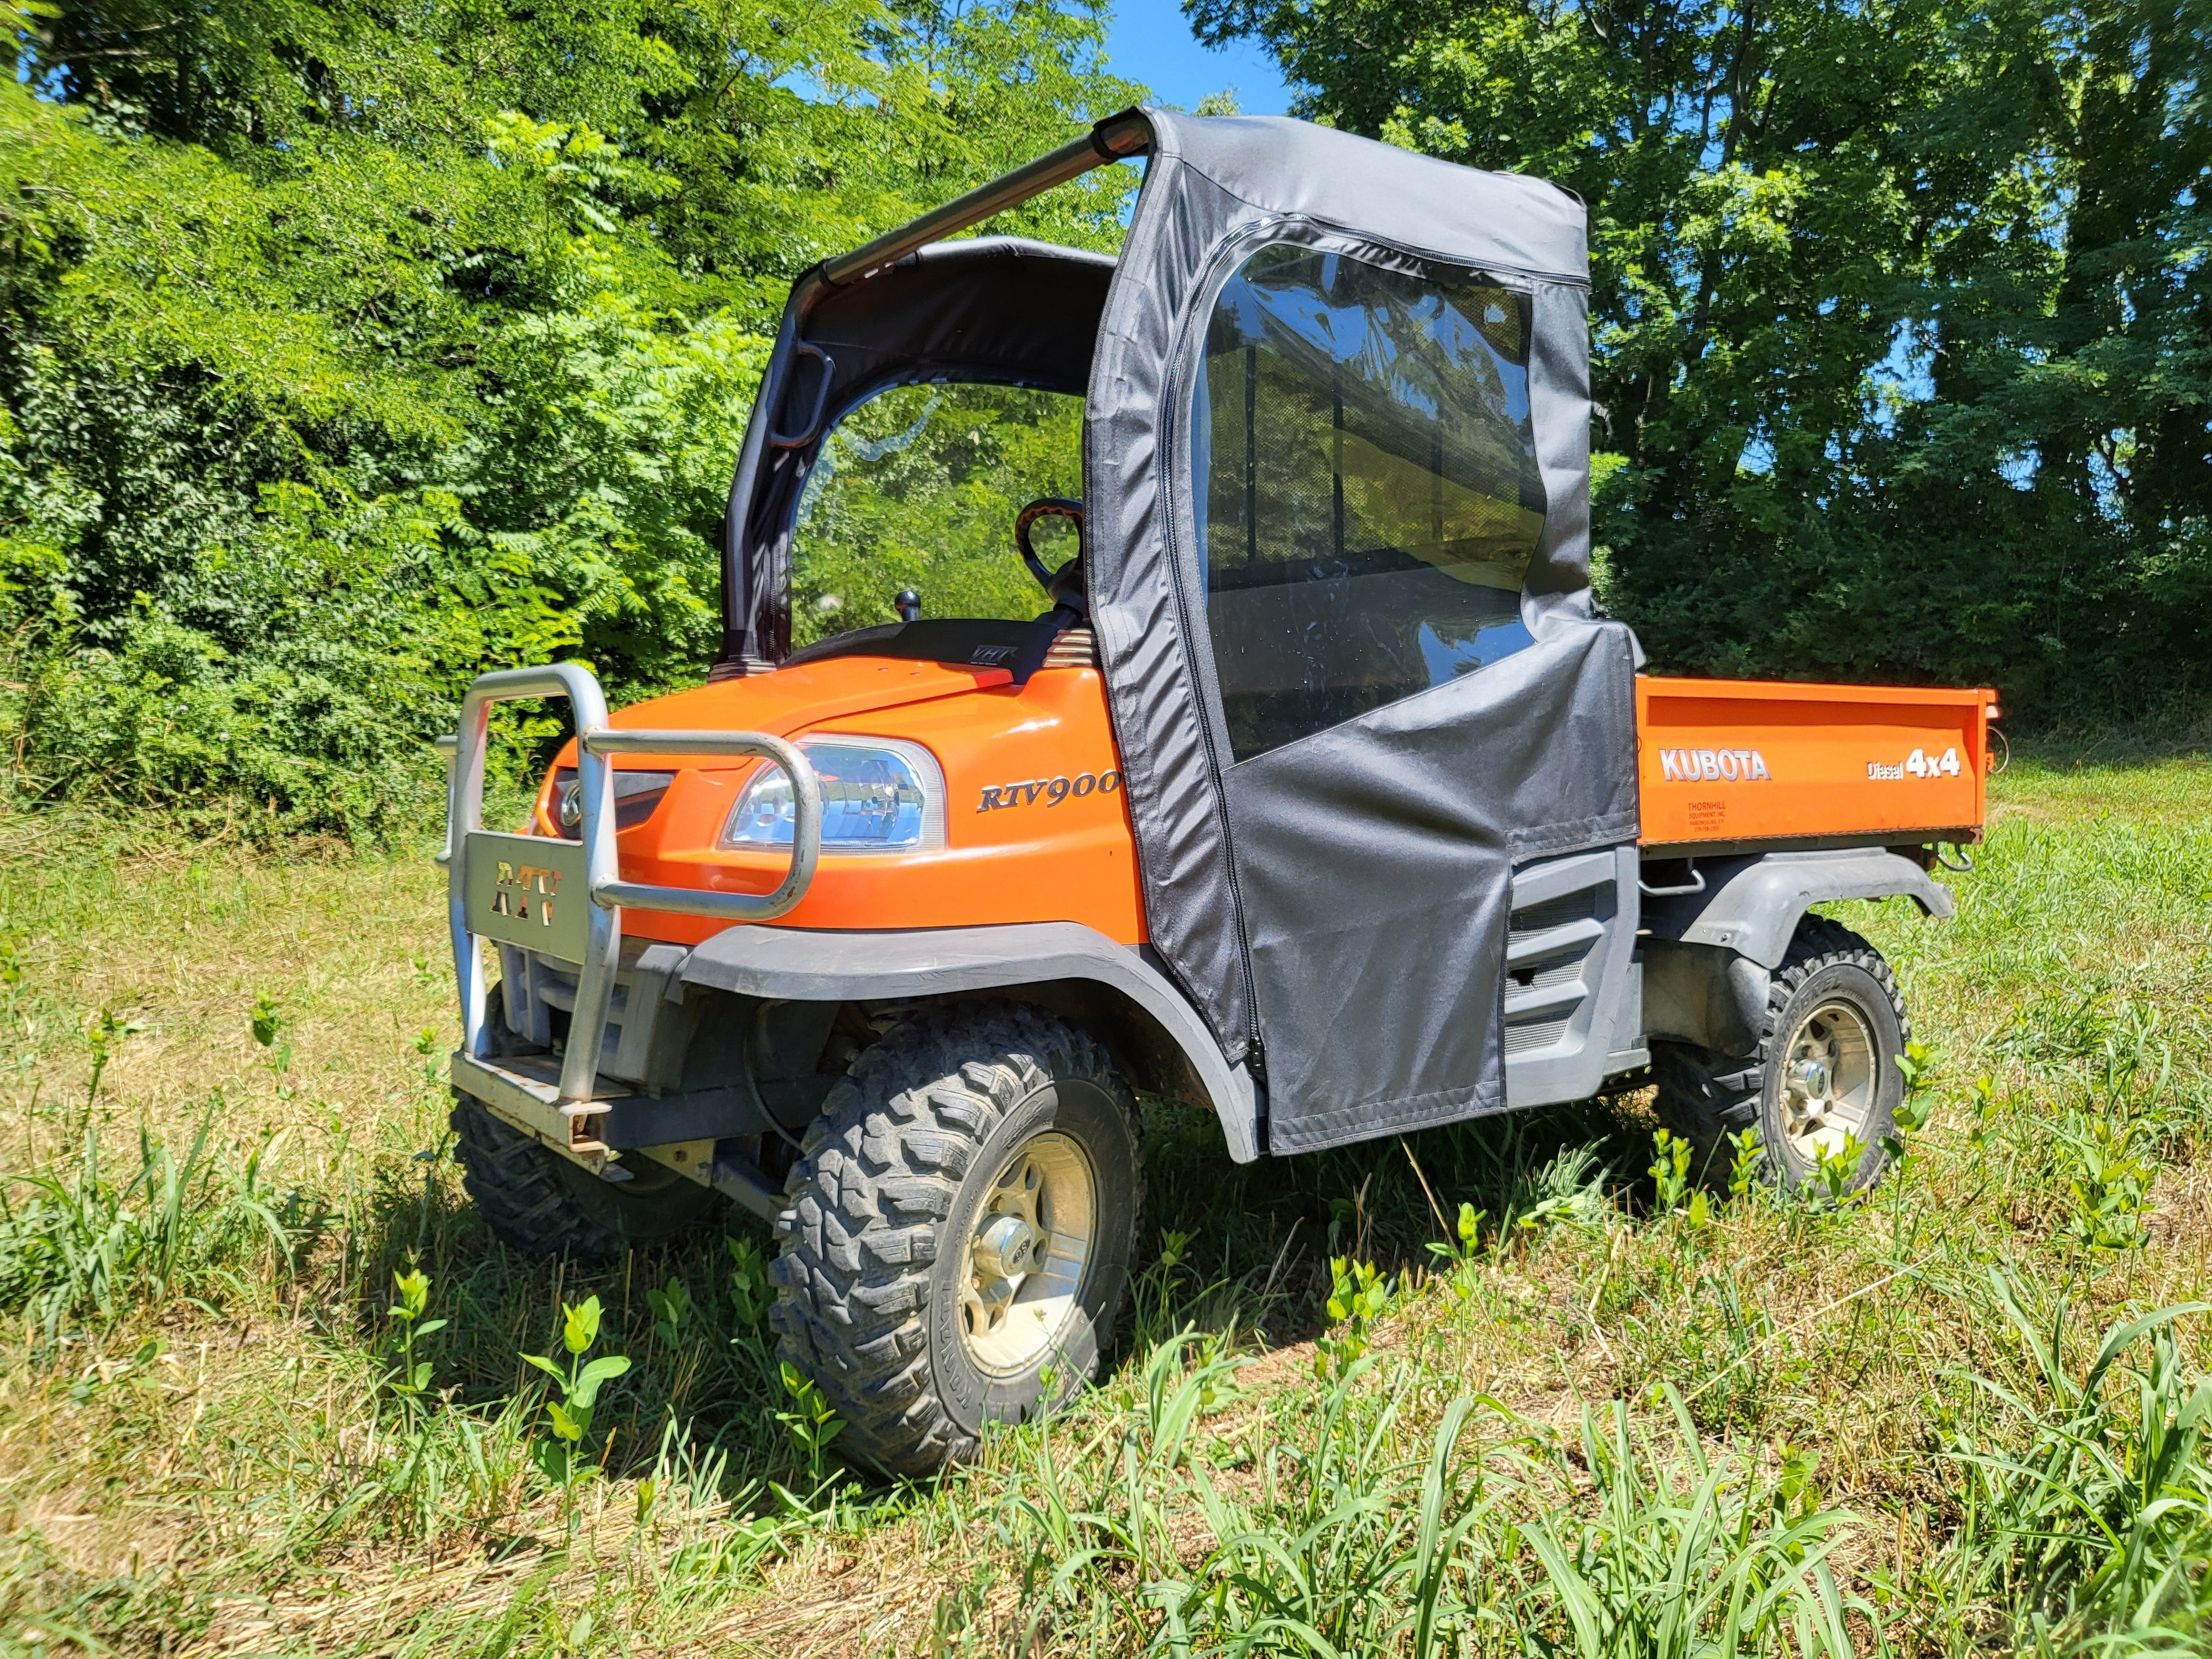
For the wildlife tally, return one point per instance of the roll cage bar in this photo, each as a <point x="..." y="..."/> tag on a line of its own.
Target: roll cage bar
<point x="1117" y="138"/>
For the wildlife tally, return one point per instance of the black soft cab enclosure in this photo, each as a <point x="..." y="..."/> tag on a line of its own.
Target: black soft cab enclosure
<point x="1335" y="468"/>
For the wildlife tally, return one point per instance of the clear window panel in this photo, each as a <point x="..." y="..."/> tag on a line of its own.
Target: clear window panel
<point x="919" y="487"/>
<point x="1369" y="495"/>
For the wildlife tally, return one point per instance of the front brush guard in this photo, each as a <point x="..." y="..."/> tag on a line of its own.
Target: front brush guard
<point x="509" y="890"/>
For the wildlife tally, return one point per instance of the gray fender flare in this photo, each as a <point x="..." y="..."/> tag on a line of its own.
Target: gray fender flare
<point x="1752" y="904"/>
<point x="1058" y="963"/>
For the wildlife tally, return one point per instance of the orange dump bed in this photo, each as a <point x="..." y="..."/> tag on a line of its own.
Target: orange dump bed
<point x="1729" y="763"/>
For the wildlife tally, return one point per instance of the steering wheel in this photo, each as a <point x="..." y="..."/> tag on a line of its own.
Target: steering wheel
<point x="1064" y="587"/>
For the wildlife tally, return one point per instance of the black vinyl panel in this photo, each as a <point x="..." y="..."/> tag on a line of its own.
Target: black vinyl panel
<point x="1375" y="863"/>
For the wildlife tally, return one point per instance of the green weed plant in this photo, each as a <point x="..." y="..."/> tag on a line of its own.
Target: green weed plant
<point x="566" y="1458"/>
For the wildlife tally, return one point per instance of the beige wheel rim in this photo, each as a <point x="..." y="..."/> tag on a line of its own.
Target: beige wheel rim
<point x="1828" y="1082"/>
<point x="1026" y="1256"/>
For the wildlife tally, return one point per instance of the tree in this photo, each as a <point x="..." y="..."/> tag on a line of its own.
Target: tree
<point x="345" y="351"/>
<point x="1900" y="311"/>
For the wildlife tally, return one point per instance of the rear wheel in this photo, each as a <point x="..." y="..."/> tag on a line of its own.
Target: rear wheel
<point x="958" y="1240"/>
<point x="1824" y="1075"/>
<point x="542" y="1204"/>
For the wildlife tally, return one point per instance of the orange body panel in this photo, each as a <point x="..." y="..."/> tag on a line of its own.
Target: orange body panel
<point x="1727" y="762"/>
<point x="1721" y="763"/>
<point x="1036" y="860"/>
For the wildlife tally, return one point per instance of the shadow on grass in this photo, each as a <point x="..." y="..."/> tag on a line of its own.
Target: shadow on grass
<point x="1255" y="1239"/>
<point x="697" y="1361"/>
<point x="1245" y="1259"/>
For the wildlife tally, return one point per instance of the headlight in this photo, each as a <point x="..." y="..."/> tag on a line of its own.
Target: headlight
<point x="878" y="795"/>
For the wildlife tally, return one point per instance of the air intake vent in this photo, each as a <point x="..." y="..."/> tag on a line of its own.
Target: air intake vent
<point x="1540" y="1034"/>
<point x="1075" y="647"/>
<point x="1554" y="913"/>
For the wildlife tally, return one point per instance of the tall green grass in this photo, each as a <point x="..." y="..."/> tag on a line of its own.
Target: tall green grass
<point x="1498" y="1389"/>
<point x="2087" y="1524"/>
<point x="77" y="1244"/>
<point x="1371" y="1523"/>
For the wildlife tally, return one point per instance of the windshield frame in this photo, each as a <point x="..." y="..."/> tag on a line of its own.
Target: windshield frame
<point x="986" y="311"/>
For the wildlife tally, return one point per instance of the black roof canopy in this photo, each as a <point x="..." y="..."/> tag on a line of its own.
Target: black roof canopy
<point x="911" y="307"/>
<point x="998" y="309"/>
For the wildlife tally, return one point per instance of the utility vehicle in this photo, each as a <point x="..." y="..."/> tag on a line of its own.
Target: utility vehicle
<point x="1319" y="795"/>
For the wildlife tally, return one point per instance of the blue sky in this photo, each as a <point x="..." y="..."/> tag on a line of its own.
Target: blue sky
<point x="1151" y="41"/>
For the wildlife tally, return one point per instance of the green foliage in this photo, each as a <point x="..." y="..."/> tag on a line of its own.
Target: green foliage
<point x="671" y="1310"/>
<point x="345" y="354"/>
<point x="1459" y="1252"/>
<point x="102" y="1031"/>
<point x="269" y="1021"/>
<point x="1358" y="1295"/>
<point x="77" y="1244"/>
<point x="1568" y="1190"/>
<point x="1834" y="1169"/>
<point x="2108" y="1177"/>
<point x="1670" y="1167"/>
<point x="566" y="1459"/>
<point x="812" y="1423"/>
<point x="2093" y="1535"/>
<point x="1750" y="1151"/>
<point x="412" y="1377"/>
<point x="1917" y="1063"/>
<point x="1680" y="1549"/>
<point x="749" y="1296"/>
<point x="1397" y="1518"/>
<point x="1153" y="1293"/>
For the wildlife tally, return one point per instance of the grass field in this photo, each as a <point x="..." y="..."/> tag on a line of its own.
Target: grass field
<point x="1600" y="1417"/>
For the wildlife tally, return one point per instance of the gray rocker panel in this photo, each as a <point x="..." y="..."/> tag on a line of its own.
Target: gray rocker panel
<point x="895" y="965"/>
<point x="1751" y="903"/>
<point x="1571" y="992"/>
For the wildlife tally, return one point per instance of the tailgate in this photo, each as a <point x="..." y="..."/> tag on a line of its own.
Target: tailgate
<point x="1735" y="762"/>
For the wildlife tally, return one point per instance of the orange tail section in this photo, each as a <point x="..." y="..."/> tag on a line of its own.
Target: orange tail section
<point x="1731" y="763"/>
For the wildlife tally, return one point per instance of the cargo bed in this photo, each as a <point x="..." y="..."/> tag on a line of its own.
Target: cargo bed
<point x="1729" y="766"/>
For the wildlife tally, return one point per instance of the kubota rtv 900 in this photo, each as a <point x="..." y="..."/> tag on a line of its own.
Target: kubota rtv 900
<point x="1316" y="794"/>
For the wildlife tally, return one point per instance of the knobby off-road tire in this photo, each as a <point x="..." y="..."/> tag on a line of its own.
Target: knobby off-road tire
<point x="919" y="1153"/>
<point x="538" y="1202"/>
<point x="1706" y="1097"/>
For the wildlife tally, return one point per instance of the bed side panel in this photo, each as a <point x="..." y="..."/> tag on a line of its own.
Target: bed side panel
<point x="1745" y="761"/>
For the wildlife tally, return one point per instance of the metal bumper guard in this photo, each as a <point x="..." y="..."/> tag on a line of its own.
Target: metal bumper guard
<point x="524" y="891"/>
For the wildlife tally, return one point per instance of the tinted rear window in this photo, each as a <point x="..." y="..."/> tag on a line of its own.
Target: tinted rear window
<point x="1369" y="495"/>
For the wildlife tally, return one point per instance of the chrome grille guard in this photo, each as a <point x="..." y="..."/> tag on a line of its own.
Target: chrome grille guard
<point x="487" y="899"/>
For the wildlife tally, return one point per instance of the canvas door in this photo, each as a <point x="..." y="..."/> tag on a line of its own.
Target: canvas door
<point x="1367" y="496"/>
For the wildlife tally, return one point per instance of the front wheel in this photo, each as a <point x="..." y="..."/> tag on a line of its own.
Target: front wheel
<point x="958" y="1240"/>
<point x="1822" y="1085"/>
